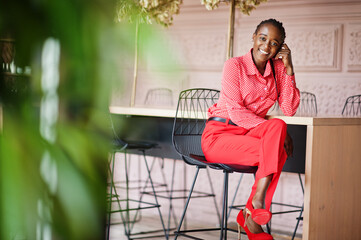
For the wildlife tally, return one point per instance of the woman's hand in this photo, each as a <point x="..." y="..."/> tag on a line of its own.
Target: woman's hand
<point x="285" y="54"/>
<point x="289" y="145"/>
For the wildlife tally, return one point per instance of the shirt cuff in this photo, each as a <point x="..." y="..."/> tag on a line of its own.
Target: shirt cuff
<point x="291" y="79"/>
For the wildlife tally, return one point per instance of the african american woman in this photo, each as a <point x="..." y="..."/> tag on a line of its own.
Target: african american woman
<point x="237" y="131"/>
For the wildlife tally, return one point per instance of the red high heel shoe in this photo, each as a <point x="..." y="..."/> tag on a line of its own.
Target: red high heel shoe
<point x="251" y="236"/>
<point x="260" y="216"/>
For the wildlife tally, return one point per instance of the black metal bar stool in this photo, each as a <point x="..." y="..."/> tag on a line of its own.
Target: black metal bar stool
<point x="128" y="204"/>
<point x="352" y="106"/>
<point x="189" y="123"/>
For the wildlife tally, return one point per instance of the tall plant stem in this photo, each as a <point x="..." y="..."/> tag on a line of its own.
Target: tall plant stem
<point x="135" y="74"/>
<point x="231" y="29"/>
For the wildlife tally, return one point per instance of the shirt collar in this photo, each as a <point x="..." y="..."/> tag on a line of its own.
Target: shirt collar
<point x="252" y="69"/>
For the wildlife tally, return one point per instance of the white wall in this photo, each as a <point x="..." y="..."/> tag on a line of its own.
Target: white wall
<point x="324" y="36"/>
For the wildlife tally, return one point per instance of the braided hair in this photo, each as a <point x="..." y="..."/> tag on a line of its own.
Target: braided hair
<point x="275" y="23"/>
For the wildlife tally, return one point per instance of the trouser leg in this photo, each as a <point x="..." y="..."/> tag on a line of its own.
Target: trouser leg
<point x="272" y="156"/>
<point x="262" y="146"/>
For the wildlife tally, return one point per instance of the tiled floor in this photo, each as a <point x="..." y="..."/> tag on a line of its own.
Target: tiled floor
<point x="151" y="223"/>
<point x="200" y="212"/>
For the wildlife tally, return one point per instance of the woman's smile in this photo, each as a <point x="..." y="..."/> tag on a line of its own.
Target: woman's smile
<point x="263" y="52"/>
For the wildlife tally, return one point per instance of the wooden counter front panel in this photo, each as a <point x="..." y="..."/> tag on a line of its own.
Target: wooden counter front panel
<point x="335" y="184"/>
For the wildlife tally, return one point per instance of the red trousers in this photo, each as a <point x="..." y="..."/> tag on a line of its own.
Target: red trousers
<point x="262" y="146"/>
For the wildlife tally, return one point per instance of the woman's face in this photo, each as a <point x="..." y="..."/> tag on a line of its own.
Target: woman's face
<point x="266" y="42"/>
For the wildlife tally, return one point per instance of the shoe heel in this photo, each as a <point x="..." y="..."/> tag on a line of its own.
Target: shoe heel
<point x="239" y="231"/>
<point x="251" y="236"/>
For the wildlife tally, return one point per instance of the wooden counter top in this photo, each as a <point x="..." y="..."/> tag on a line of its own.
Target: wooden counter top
<point x="295" y="120"/>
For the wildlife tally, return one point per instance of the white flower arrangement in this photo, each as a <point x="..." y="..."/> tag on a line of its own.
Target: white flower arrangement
<point x="245" y="6"/>
<point x="145" y="11"/>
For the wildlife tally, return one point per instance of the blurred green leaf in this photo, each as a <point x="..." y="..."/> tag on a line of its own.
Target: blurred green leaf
<point x="55" y="187"/>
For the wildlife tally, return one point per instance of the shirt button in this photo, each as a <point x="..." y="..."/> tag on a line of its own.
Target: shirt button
<point x="265" y="88"/>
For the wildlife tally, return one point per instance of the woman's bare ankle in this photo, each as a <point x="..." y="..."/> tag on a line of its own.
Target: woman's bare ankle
<point x="257" y="202"/>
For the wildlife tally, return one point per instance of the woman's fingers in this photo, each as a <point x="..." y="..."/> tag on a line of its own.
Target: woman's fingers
<point x="284" y="51"/>
<point x="285" y="46"/>
<point x="285" y="54"/>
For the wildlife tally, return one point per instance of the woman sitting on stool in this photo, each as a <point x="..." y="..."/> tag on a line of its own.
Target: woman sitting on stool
<point x="237" y="131"/>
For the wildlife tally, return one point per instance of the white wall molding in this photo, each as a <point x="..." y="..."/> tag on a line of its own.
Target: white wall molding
<point x="354" y="47"/>
<point x="316" y="48"/>
<point x="309" y="10"/>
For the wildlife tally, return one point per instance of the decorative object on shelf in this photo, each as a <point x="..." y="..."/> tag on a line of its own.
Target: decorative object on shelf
<point x="14" y="83"/>
<point x="7" y="51"/>
<point x="145" y="11"/>
<point x="245" y="6"/>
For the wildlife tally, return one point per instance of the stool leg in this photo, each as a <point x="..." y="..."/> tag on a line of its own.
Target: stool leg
<point x="111" y="192"/>
<point x="187" y="203"/>
<point x="301" y="212"/>
<point x="126" y="220"/>
<point x="155" y="196"/>
<point x="171" y="210"/>
<point x="224" y="208"/>
<point x="142" y="193"/>
<point x="235" y="195"/>
<point x="298" y="221"/>
<point x="165" y="185"/>
<point x="299" y="177"/>
<point x="214" y="198"/>
<point x="127" y="212"/>
<point x="137" y="212"/>
<point x="147" y="180"/>
<point x="113" y="188"/>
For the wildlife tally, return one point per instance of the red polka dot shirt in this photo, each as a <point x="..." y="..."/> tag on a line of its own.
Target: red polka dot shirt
<point x="246" y="95"/>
